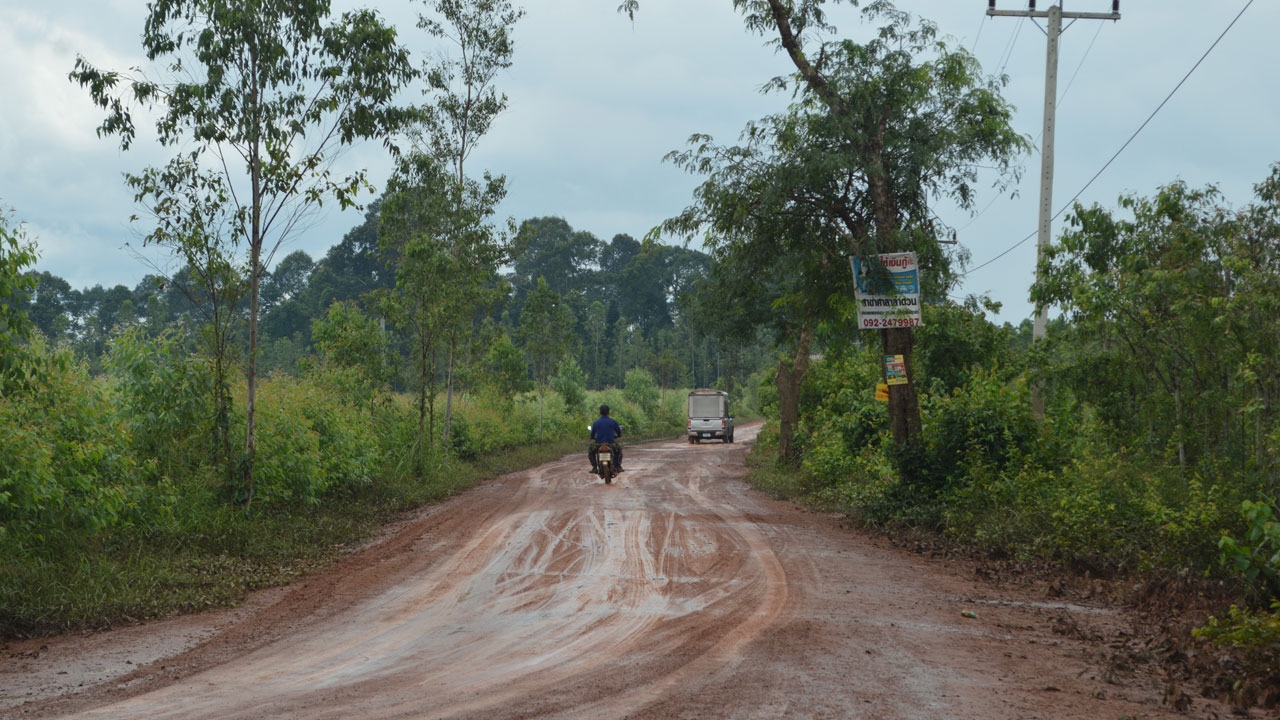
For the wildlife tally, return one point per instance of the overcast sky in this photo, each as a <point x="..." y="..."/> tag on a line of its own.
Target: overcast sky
<point x="596" y="102"/>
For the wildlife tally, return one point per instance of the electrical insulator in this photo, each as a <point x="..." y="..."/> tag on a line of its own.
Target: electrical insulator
<point x="1115" y="7"/>
<point x="1032" y="5"/>
<point x="991" y="4"/>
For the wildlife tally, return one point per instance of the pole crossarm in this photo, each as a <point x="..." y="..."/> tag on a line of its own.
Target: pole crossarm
<point x="992" y="12"/>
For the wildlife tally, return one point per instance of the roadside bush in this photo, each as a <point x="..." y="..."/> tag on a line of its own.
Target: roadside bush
<point x="867" y="483"/>
<point x="165" y="397"/>
<point x="311" y="439"/>
<point x="673" y="411"/>
<point x="66" y="461"/>
<point x="840" y="416"/>
<point x="484" y="424"/>
<point x="1256" y="558"/>
<point x="641" y="390"/>
<point x="987" y="420"/>
<point x="982" y="428"/>
<point x="1255" y="561"/>
<point x="1104" y="512"/>
<point x="570" y="381"/>
<point x="632" y="418"/>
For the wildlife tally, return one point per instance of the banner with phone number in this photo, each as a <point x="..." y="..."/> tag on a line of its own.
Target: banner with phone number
<point x="888" y="291"/>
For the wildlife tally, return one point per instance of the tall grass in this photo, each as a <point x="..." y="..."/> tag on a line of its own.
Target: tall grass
<point x="115" y="507"/>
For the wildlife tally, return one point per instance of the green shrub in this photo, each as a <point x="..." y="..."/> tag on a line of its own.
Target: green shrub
<point x="570" y="381"/>
<point x="1244" y="628"/>
<point x="641" y="390"/>
<point x="166" y="397"/>
<point x="66" y="460"/>
<point x="987" y="420"/>
<point x="841" y="417"/>
<point x="311" y="439"/>
<point x="1256" y="559"/>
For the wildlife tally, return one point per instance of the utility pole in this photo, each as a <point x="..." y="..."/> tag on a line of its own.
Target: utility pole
<point x="1054" y="15"/>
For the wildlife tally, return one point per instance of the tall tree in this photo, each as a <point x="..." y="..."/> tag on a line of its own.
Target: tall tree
<point x="48" y="304"/>
<point x="881" y="129"/>
<point x="263" y="94"/>
<point x="287" y="281"/>
<point x="549" y="248"/>
<point x="915" y="119"/>
<point x="446" y="256"/>
<point x="546" y="332"/>
<point x="354" y="268"/>
<point x="464" y="104"/>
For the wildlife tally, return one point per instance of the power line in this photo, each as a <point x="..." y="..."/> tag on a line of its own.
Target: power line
<point x="1087" y="50"/>
<point x="1008" y="51"/>
<point x="1157" y="110"/>
<point x="974" y="47"/>
<point x="1126" y="143"/>
<point x="1061" y="98"/>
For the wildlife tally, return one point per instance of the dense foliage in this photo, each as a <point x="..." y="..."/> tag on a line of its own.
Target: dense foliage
<point x="1159" y="454"/>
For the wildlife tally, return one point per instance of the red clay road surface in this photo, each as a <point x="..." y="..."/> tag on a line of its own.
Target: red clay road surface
<point x="678" y="592"/>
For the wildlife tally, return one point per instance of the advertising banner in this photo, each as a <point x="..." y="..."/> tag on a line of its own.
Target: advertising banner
<point x="887" y="292"/>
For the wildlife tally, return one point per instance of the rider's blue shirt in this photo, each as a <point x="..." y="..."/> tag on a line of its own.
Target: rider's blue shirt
<point x="605" y="429"/>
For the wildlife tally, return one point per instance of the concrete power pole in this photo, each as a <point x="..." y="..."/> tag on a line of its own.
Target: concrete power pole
<point x="1054" y="15"/>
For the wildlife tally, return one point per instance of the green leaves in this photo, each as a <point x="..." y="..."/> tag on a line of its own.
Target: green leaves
<point x="1256" y="558"/>
<point x="16" y="254"/>
<point x="1178" y="297"/>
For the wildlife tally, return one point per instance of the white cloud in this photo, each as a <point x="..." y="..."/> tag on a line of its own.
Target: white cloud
<point x="596" y="101"/>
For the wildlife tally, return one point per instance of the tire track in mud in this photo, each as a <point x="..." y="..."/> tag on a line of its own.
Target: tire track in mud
<point x="648" y="583"/>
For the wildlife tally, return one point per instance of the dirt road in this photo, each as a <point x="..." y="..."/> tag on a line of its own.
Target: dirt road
<point x="677" y="593"/>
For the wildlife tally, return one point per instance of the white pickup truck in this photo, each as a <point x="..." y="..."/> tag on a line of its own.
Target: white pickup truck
<point x="709" y="416"/>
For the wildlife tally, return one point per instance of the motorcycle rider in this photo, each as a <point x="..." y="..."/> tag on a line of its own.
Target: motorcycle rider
<point x="605" y="431"/>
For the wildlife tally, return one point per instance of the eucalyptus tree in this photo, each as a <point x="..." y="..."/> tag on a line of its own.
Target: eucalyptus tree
<point x="264" y="94"/>
<point x="445" y="259"/>
<point x="595" y="353"/>
<point x="546" y="333"/>
<point x="463" y="104"/>
<point x="193" y="216"/>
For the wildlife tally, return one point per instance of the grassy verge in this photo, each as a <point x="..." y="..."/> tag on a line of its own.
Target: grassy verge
<point x="210" y="555"/>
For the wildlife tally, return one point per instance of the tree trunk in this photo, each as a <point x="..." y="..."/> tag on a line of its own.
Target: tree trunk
<point x="251" y="371"/>
<point x="426" y="405"/>
<point x="788" y="380"/>
<point x="904" y="406"/>
<point x="448" y="393"/>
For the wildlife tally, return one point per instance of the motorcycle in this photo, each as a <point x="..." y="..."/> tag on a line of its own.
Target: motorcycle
<point x="605" y="466"/>
<point x="604" y="461"/>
